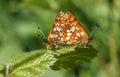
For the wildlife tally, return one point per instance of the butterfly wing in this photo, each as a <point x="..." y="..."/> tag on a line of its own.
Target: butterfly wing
<point x="55" y="34"/>
<point x="67" y="30"/>
<point x="79" y="34"/>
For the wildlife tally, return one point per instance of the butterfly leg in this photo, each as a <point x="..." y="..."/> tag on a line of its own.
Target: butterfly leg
<point x="52" y="45"/>
<point x="48" y="47"/>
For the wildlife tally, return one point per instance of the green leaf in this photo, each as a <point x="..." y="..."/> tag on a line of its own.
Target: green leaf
<point x="2" y="69"/>
<point x="36" y="63"/>
<point x="35" y="67"/>
<point x="30" y="64"/>
<point x="71" y="56"/>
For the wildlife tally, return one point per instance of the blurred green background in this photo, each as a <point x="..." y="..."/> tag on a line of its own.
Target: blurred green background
<point x="20" y="19"/>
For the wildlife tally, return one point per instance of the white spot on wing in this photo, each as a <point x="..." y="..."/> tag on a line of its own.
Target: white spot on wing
<point x="67" y="38"/>
<point x="61" y="39"/>
<point x="62" y="25"/>
<point x="69" y="34"/>
<point x="75" y="23"/>
<point x="57" y="18"/>
<point x="68" y="31"/>
<point x="68" y="42"/>
<point x="61" y="34"/>
<point x="61" y="19"/>
<point x="74" y="40"/>
<point x="65" y="16"/>
<point x="57" y="29"/>
<point x="72" y="29"/>
<point x="53" y="36"/>
<point x="56" y="24"/>
<point x="72" y="19"/>
<point x="58" y="37"/>
<point x="82" y="33"/>
<point x="61" y="13"/>
<point x="76" y="37"/>
<point x="78" y="34"/>
<point x="77" y="28"/>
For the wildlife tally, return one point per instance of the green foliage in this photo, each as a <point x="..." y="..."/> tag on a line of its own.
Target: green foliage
<point x="37" y="62"/>
<point x="71" y="57"/>
<point x="19" y="20"/>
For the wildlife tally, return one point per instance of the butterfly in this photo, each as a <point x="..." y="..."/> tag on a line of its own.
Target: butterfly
<point x="66" y="30"/>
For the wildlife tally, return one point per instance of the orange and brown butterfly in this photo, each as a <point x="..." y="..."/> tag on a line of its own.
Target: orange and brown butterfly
<point x="66" y="30"/>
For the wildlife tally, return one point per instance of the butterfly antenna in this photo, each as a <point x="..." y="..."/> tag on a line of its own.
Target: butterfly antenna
<point x="41" y="33"/>
<point x="97" y="26"/>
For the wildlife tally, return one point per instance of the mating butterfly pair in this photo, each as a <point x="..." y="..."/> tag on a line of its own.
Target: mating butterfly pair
<point x="66" y="30"/>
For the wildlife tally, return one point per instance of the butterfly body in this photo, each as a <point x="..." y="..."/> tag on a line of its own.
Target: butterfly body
<point x="66" y="30"/>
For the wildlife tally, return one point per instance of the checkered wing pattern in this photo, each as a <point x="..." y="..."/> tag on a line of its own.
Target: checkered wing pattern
<point x="67" y="30"/>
